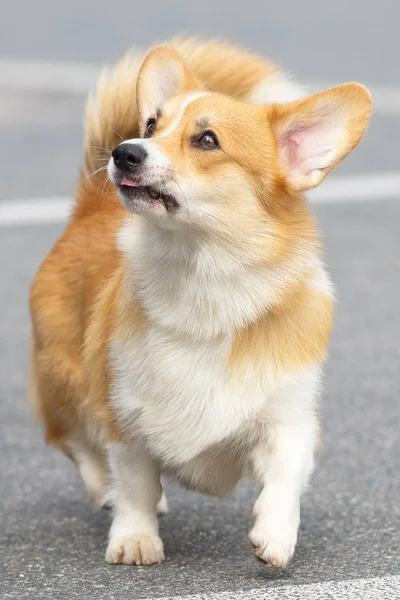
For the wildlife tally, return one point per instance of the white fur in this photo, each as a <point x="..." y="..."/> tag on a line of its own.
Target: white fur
<point x="184" y="410"/>
<point x="134" y="532"/>
<point x="321" y="280"/>
<point x="276" y="88"/>
<point x="175" y="123"/>
<point x="188" y="414"/>
<point x="199" y="288"/>
<point x="158" y="166"/>
<point x="282" y="477"/>
<point x="87" y="449"/>
<point x="192" y="401"/>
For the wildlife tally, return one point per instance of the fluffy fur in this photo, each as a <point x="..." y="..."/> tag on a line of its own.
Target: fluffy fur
<point x="179" y="325"/>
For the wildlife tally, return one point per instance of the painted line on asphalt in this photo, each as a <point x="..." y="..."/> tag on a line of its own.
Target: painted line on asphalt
<point x="378" y="588"/>
<point x="352" y="188"/>
<point x="358" y="188"/>
<point x="35" y="211"/>
<point x="72" y="77"/>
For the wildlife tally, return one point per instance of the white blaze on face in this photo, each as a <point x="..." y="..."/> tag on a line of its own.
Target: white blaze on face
<point x="175" y="123"/>
<point x="158" y="166"/>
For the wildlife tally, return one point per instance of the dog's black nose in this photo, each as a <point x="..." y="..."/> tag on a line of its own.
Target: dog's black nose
<point x="128" y="156"/>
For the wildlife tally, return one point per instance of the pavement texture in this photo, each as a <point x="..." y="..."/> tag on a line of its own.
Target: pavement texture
<point x="350" y="520"/>
<point x="52" y="540"/>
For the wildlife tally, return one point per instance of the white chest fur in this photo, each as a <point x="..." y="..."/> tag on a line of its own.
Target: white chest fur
<point x="176" y="388"/>
<point x="178" y="393"/>
<point x="182" y="398"/>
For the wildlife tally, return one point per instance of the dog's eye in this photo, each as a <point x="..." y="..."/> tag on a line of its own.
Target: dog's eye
<point x="150" y="128"/>
<point x="208" y="141"/>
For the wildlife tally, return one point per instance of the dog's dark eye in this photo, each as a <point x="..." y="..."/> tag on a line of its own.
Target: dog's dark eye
<point x="208" y="141"/>
<point x="150" y="128"/>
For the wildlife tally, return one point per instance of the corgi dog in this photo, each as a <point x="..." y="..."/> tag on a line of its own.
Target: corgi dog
<point x="181" y="322"/>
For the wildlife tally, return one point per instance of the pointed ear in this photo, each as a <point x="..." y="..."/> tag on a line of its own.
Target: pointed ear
<point x="162" y="76"/>
<point x="315" y="133"/>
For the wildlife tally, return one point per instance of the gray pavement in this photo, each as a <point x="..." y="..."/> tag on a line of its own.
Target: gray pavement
<point x="52" y="541"/>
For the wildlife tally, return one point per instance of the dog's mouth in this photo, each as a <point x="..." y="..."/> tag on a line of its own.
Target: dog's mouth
<point x="146" y="193"/>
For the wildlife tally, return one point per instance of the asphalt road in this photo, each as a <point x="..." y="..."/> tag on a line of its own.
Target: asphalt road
<point x="52" y="541"/>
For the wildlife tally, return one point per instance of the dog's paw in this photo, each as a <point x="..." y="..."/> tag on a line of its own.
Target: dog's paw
<point x="276" y="550"/>
<point x="135" y="550"/>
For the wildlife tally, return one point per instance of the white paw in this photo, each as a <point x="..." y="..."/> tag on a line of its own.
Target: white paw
<point x="274" y="549"/>
<point x="135" y="550"/>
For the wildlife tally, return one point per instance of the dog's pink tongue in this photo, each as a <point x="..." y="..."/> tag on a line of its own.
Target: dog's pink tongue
<point x="129" y="183"/>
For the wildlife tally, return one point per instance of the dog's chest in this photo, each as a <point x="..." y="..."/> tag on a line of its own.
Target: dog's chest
<point x="179" y="394"/>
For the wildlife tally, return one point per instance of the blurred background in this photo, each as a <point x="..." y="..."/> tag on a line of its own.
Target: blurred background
<point x="51" y="52"/>
<point x="52" y="541"/>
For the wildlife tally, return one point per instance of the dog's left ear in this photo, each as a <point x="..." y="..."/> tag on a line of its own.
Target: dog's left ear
<point x="162" y="76"/>
<point x="315" y="133"/>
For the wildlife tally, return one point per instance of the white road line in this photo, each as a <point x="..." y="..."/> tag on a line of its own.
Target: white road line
<point x="352" y="188"/>
<point x="358" y="188"/>
<point x="71" y="77"/>
<point x="35" y="211"/>
<point x="385" y="588"/>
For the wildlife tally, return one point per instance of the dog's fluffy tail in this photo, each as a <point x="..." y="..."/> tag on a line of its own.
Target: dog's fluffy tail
<point x="111" y="112"/>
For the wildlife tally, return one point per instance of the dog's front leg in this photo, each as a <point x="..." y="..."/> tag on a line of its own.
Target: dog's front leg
<point x="136" y="492"/>
<point x="281" y="466"/>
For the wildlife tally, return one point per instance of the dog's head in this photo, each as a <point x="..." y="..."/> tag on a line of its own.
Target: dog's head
<point x="224" y="166"/>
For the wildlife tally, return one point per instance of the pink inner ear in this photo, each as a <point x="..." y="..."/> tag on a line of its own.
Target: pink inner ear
<point x="169" y="80"/>
<point x="308" y="147"/>
<point x="292" y="148"/>
<point x="160" y="81"/>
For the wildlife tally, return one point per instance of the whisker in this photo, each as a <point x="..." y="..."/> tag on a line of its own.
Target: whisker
<point x="92" y="174"/>
<point x="176" y="173"/>
<point x="100" y="148"/>
<point x="107" y="191"/>
<point x="187" y="206"/>
<point x="186" y="202"/>
<point x="221" y="222"/>
<point x="119" y="135"/>
<point x="103" y="185"/>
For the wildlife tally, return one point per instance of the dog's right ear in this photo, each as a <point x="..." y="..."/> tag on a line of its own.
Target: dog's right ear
<point x="315" y="133"/>
<point x="162" y="76"/>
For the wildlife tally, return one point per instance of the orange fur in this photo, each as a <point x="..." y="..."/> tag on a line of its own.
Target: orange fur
<point x="348" y="105"/>
<point x="289" y="337"/>
<point x="112" y="114"/>
<point x="65" y="293"/>
<point x="192" y="331"/>
<point x="79" y="298"/>
<point x="74" y="297"/>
